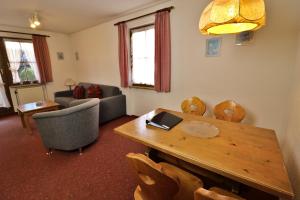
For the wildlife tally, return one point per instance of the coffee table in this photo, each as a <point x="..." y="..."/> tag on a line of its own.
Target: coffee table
<point x="25" y="111"/>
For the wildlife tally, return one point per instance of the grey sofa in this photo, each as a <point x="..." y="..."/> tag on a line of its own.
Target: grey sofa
<point x="71" y="128"/>
<point x="112" y="104"/>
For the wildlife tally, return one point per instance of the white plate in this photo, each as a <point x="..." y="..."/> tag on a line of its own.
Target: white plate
<point x="200" y="129"/>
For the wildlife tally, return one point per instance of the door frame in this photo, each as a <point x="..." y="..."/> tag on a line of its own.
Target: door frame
<point x="6" y="77"/>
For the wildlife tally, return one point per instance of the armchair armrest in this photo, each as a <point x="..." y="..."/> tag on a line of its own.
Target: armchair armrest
<point x="67" y="111"/>
<point x="66" y="93"/>
<point x="79" y="101"/>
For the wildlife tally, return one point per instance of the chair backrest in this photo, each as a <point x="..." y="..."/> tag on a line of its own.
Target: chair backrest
<point x="203" y="194"/>
<point x="155" y="183"/>
<point x="193" y="105"/>
<point x="229" y="111"/>
<point x="106" y="90"/>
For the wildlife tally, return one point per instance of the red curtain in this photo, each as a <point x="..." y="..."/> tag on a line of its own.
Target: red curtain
<point x="162" y="52"/>
<point x="123" y="54"/>
<point x="42" y="57"/>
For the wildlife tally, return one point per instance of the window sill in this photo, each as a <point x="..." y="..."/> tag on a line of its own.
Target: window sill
<point x="25" y="85"/>
<point x="141" y="87"/>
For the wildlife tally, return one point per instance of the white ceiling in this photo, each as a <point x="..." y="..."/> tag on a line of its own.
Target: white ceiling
<point x="66" y="16"/>
<point x="69" y="16"/>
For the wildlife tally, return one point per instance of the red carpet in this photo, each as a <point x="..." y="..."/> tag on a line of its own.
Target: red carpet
<point x="100" y="173"/>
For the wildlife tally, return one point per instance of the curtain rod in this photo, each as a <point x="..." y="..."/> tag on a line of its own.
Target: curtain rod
<point x="164" y="9"/>
<point x="4" y="31"/>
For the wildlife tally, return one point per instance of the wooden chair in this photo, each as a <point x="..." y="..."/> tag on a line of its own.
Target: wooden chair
<point x="193" y="105"/>
<point x="229" y="111"/>
<point x="215" y="194"/>
<point x="162" y="181"/>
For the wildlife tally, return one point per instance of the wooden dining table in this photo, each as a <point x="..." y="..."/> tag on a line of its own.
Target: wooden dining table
<point x="243" y="153"/>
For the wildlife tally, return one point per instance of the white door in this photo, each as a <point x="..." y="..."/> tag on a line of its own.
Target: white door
<point x="4" y="103"/>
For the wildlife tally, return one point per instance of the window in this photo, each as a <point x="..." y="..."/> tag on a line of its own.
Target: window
<point x="22" y="63"/>
<point x="142" y="56"/>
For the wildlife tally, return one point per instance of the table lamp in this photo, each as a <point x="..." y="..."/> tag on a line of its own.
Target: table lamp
<point x="70" y="82"/>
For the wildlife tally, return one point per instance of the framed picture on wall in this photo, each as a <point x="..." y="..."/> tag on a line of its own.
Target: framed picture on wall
<point x="213" y="47"/>
<point x="60" y="55"/>
<point x="244" y="38"/>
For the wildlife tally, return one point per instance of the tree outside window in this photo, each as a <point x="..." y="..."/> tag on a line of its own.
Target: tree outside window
<point x="25" y="70"/>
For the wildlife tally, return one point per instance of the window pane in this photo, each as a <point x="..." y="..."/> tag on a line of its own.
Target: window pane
<point x="27" y="48"/>
<point x="143" y="56"/>
<point x="22" y="61"/>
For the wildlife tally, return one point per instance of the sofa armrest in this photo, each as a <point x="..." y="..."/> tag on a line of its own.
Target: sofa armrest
<point x="66" y="93"/>
<point x="112" y="108"/>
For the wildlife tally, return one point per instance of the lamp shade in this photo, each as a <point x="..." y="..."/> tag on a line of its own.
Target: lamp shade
<point x="232" y="16"/>
<point x="69" y="82"/>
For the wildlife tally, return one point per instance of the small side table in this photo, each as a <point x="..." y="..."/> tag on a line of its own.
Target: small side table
<point x="25" y="86"/>
<point x="25" y="111"/>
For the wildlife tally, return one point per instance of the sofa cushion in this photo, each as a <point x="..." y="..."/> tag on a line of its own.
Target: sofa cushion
<point x="79" y="92"/>
<point x="94" y="91"/>
<point x="64" y="101"/>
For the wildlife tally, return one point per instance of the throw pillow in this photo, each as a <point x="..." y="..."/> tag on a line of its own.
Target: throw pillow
<point x="78" y="92"/>
<point x="94" y="91"/>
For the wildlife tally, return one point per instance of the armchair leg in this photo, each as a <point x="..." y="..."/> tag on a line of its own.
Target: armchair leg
<point x="49" y="152"/>
<point x="80" y="151"/>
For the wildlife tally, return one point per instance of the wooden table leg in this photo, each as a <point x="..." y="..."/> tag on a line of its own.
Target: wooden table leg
<point x="25" y="115"/>
<point x="22" y="119"/>
<point x="27" y="124"/>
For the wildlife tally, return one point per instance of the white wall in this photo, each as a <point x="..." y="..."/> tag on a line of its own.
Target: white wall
<point x="291" y="147"/>
<point x="61" y="69"/>
<point x="257" y="76"/>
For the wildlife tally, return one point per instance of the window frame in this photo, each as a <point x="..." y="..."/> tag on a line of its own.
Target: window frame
<point x="131" y="31"/>
<point x="20" y="40"/>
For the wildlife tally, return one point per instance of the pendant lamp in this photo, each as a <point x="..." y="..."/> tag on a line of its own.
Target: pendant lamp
<point x="232" y="16"/>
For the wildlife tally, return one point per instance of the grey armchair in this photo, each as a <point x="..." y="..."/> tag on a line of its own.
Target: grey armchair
<point x="71" y="128"/>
